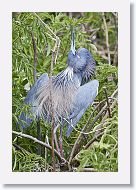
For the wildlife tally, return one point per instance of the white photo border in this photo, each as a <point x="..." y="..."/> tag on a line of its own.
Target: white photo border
<point x="123" y="174"/>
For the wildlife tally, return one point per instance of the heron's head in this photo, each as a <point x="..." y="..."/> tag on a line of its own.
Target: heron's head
<point x="82" y="63"/>
<point x="81" y="60"/>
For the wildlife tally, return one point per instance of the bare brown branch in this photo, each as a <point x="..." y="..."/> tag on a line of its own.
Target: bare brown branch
<point x="35" y="56"/>
<point x="39" y="142"/>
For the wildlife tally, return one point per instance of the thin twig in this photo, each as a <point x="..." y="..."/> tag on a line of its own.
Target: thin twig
<point x="112" y="106"/>
<point x="46" y="152"/>
<point x="47" y="27"/>
<point x="52" y="117"/>
<point x="92" y="115"/>
<point x="93" y="139"/>
<point x="52" y="114"/>
<point x="81" y="131"/>
<point x="35" y="56"/>
<point x="20" y="148"/>
<point x="55" y="138"/>
<point x="94" y="32"/>
<point x="115" y="61"/>
<point x="39" y="142"/>
<point x="52" y="140"/>
<point x="107" y="38"/>
<point x="56" y="49"/>
<point x="53" y="62"/>
<point x="108" y="104"/>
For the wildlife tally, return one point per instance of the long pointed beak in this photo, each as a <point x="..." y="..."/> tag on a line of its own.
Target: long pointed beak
<point x="73" y="41"/>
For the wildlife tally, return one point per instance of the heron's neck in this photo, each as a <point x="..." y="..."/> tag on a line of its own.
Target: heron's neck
<point x="79" y="76"/>
<point x="67" y="78"/>
<point x="70" y="75"/>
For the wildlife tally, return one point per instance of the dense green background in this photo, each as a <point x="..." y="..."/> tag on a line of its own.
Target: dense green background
<point x="102" y="155"/>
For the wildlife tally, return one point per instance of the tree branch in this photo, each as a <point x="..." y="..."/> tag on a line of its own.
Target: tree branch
<point x="93" y="139"/>
<point x="54" y="58"/>
<point x="47" y="28"/>
<point x="35" y="56"/>
<point x="108" y="105"/>
<point x="107" y="38"/>
<point x="39" y="142"/>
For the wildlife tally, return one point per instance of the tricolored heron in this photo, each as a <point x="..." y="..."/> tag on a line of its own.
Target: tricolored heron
<point x="72" y="91"/>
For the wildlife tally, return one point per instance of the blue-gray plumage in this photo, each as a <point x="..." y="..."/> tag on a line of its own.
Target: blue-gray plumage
<point x="30" y="99"/>
<point x="72" y="94"/>
<point x="84" y="98"/>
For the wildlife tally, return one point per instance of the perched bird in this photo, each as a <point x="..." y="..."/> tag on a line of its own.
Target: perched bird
<point x="71" y="91"/>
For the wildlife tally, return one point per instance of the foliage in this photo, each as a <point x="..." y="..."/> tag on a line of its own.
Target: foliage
<point x="102" y="155"/>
